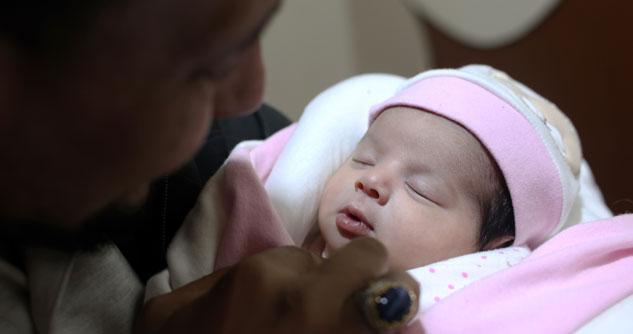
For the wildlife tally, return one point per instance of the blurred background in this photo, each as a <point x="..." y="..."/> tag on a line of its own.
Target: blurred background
<point x="579" y="54"/>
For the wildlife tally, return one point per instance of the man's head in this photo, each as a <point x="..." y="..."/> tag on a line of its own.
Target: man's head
<point x="101" y="97"/>
<point x="422" y="185"/>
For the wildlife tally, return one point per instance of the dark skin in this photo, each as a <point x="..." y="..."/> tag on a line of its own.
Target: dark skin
<point x="131" y="100"/>
<point x="283" y="290"/>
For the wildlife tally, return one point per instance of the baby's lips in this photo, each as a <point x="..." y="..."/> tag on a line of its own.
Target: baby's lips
<point x="350" y="227"/>
<point x="358" y="215"/>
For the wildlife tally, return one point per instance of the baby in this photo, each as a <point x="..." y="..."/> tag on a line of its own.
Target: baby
<point x="421" y="184"/>
<point x="455" y="165"/>
<point x="426" y="179"/>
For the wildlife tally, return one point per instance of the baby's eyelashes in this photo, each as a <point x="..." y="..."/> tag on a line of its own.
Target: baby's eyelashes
<point x="363" y="162"/>
<point x="420" y="194"/>
<point x="415" y="190"/>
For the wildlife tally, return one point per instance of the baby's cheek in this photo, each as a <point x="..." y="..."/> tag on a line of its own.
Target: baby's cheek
<point x="406" y="262"/>
<point x="410" y="252"/>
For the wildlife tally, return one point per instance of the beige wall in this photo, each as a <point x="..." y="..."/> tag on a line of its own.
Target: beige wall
<point x="314" y="44"/>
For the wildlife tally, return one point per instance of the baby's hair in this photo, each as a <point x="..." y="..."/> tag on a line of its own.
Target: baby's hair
<point x="497" y="214"/>
<point x="497" y="219"/>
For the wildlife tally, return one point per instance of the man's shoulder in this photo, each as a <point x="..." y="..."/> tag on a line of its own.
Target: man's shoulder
<point x="56" y="286"/>
<point x="14" y="300"/>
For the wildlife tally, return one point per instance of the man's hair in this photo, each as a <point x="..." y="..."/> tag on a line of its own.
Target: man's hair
<point x="35" y="26"/>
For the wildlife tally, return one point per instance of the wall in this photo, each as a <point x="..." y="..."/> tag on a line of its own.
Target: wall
<point x="579" y="58"/>
<point x="313" y="44"/>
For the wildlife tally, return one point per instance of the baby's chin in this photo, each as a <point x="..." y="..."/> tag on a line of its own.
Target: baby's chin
<point x="333" y="244"/>
<point x="330" y="248"/>
<point x="327" y="251"/>
<point x="319" y="246"/>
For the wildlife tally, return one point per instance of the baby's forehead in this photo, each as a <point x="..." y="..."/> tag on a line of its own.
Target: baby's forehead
<point x="421" y="128"/>
<point x="432" y="140"/>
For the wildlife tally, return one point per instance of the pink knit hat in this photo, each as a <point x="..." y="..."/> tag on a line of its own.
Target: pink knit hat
<point x="534" y="144"/>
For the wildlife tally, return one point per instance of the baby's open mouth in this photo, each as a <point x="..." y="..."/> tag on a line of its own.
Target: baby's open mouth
<point x="351" y="223"/>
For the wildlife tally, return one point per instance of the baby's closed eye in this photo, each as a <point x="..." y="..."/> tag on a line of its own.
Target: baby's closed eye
<point x="428" y="193"/>
<point x="364" y="161"/>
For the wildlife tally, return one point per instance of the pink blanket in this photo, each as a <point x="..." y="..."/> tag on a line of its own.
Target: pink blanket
<point x="246" y="202"/>
<point x="565" y="283"/>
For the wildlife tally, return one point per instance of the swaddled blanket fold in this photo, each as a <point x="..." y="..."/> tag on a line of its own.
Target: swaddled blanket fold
<point x="564" y="284"/>
<point x="265" y="195"/>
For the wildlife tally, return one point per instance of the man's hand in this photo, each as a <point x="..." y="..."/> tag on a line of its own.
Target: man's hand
<point x="282" y="290"/>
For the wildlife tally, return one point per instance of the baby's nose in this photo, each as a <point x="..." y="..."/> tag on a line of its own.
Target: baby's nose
<point x="372" y="190"/>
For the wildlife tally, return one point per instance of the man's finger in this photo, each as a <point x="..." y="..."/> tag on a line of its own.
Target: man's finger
<point x="294" y="260"/>
<point x="349" y="269"/>
<point x="159" y="309"/>
<point x="349" y="274"/>
<point x="361" y="257"/>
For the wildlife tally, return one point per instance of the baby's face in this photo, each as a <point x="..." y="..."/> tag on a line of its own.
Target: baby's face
<point x="411" y="183"/>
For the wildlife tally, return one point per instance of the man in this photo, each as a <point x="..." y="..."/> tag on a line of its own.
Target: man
<point x="99" y="98"/>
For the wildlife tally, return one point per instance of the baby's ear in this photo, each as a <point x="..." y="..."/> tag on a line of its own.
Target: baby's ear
<point x="499" y="242"/>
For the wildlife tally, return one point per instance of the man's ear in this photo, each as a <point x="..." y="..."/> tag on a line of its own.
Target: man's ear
<point x="499" y="242"/>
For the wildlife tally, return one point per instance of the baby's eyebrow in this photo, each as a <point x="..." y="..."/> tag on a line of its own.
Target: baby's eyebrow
<point x="366" y="143"/>
<point x="370" y="141"/>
